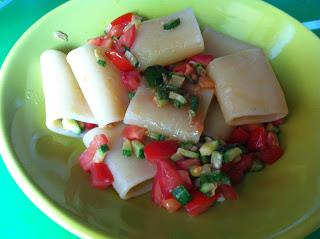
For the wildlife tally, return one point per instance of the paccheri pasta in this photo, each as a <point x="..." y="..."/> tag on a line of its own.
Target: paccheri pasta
<point x="182" y="113"/>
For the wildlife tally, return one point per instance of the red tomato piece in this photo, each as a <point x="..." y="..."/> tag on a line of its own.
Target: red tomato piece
<point x="160" y="150"/>
<point x="270" y="155"/>
<point x="101" y="41"/>
<point x="272" y="139"/>
<point x="244" y="164"/>
<point x="226" y="167"/>
<point x="278" y="122"/>
<point x="86" y="157"/>
<point x="251" y="127"/>
<point x="200" y="203"/>
<point x="123" y="19"/>
<point x="118" y="47"/>
<point x="238" y="135"/>
<point x="203" y="59"/>
<point x="119" y="60"/>
<point x="128" y="37"/>
<point x="169" y="177"/>
<point x="89" y="126"/>
<point x="186" y="178"/>
<point x="185" y="164"/>
<point x="257" y="139"/>
<point x="156" y="193"/>
<point x="183" y="68"/>
<point x="101" y="177"/>
<point x="235" y="176"/>
<point x="228" y="192"/>
<point x="171" y="204"/>
<point x="132" y="132"/>
<point x="131" y="79"/>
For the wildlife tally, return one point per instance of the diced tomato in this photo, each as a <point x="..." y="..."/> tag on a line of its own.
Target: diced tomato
<point x="116" y="30"/>
<point x="128" y="37"/>
<point x="186" y="178"/>
<point x="86" y="158"/>
<point x="226" y="167"/>
<point x="168" y="176"/>
<point x="183" y="68"/>
<point x="101" y="41"/>
<point x="228" y="192"/>
<point x="251" y="127"/>
<point x="89" y="126"/>
<point x="206" y="83"/>
<point x="118" y="47"/>
<point x="131" y="79"/>
<point x="200" y="203"/>
<point x="156" y="194"/>
<point x="278" y="122"/>
<point x="119" y="60"/>
<point x="203" y="59"/>
<point x="272" y="139"/>
<point x="270" y="155"/>
<point x="257" y="139"/>
<point x="123" y="19"/>
<point x="132" y="132"/>
<point x="185" y="164"/>
<point x="160" y="150"/>
<point x="245" y="163"/>
<point x="235" y="176"/>
<point x="238" y="135"/>
<point x="171" y="204"/>
<point x="101" y="177"/>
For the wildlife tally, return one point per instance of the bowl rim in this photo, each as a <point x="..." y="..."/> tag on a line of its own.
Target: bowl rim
<point x="64" y="218"/>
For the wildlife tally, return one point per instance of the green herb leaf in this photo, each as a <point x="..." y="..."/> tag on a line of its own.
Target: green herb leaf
<point x="172" y="24"/>
<point x="101" y="62"/>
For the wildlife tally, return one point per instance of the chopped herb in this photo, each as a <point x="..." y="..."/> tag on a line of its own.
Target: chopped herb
<point x="156" y="136"/>
<point x="161" y="97"/>
<point x="101" y="62"/>
<point x="205" y="159"/>
<point x="127" y="148"/>
<point x="171" y="24"/>
<point x="61" y="35"/>
<point x="153" y="75"/>
<point x="131" y="94"/>
<point x="177" y="97"/>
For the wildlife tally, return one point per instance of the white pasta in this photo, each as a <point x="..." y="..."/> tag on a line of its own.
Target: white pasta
<point x="101" y="85"/>
<point x="63" y="97"/>
<point x="155" y="46"/>
<point x="132" y="176"/>
<point x="167" y="120"/>
<point x="247" y="88"/>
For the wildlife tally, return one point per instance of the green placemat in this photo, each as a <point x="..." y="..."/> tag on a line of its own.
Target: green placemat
<point x="20" y="218"/>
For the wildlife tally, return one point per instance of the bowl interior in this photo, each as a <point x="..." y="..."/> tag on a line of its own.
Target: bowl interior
<point x="283" y="200"/>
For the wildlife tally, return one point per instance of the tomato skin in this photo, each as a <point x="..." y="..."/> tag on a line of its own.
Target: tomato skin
<point x="101" y="176"/>
<point x="203" y="59"/>
<point x="245" y="163"/>
<point x="119" y="60"/>
<point x="251" y="127"/>
<point x="156" y="193"/>
<point x="185" y="164"/>
<point x="183" y="68"/>
<point x="272" y="139"/>
<point x="270" y="155"/>
<point x="228" y="192"/>
<point x="133" y="132"/>
<point x="238" y="135"/>
<point x="118" y="24"/>
<point x="131" y="79"/>
<point x="86" y="157"/>
<point x="235" y="176"/>
<point x="123" y="19"/>
<point x="257" y="139"/>
<point x="278" y="122"/>
<point x="89" y="126"/>
<point x="200" y="203"/>
<point x="127" y="38"/>
<point x="169" y="178"/>
<point x="160" y="150"/>
<point x="186" y="179"/>
<point x="101" y="41"/>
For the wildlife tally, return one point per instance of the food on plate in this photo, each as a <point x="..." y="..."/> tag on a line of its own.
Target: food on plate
<point x="186" y="124"/>
<point x="167" y="40"/>
<point x="219" y="44"/>
<point x="67" y="112"/>
<point x="100" y="83"/>
<point x="247" y="88"/>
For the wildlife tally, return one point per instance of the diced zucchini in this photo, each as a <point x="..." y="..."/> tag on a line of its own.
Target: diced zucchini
<point x="188" y="153"/>
<point x="177" y="97"/>
<point x="133" y="60"/>
<point x="206" y="168"/>
<point x="257" y="166"/>
<point x="216" y="159"/>
<point x="131" y="95"/>
<point x="171" y="24"/>
<point x="72" y="125"/>
<point x="126" y="148"/>
<point x="225" y="179"/>
<point x="189" y="146"/>
<point x="176" y="103"/>
<point x="138" y="149"/>
<point x="232" y="154"/>
<point x="101" y="153"/>
<point x="176" y="80"/>
<point x="177" y="156"/>
<point x="153" y="75"/>
<point x="194" y="105"/>
<point x="156" y="136"/>
<point x="181" y="194"/>
<point x="211" y="177"/>
<point x="208" y="147"/>
<point x="208" y="188"/>
<point x="272" y="128"/>
<point x="195" y="171"/>
<point x="205" y="159"/>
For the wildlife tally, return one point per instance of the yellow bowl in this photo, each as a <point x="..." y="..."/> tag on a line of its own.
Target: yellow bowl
<point x="282" y="201"/>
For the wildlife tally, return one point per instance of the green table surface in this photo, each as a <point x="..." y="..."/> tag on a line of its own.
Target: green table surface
<point x="20" y="218"/>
